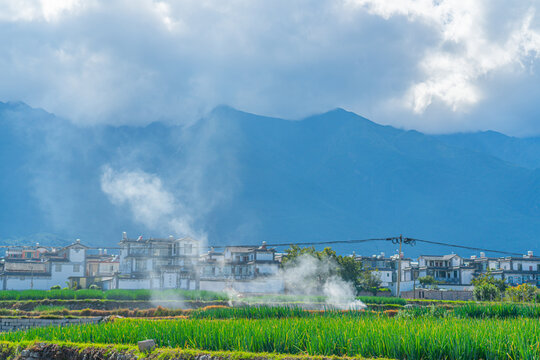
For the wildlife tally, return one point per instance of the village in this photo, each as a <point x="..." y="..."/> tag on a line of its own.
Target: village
<point x="180" y="263"/>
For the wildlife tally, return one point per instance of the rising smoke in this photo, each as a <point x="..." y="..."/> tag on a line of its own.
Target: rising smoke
<point x="149" y="202"/>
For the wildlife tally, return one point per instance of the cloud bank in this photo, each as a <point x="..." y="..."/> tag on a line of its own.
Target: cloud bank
<point x="436" y="66"/>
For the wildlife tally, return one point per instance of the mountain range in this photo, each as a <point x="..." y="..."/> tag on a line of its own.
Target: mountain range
<point x="240" y="178"/>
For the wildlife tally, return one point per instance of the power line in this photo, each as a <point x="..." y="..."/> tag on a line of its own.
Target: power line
<point x="394" y="240"/>
<point x="312" y="243"/>
<point x="466" y="247"/>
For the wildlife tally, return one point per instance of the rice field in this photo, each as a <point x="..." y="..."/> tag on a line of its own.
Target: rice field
<point x="370" y="336"/>
<point x="68" y="294"/>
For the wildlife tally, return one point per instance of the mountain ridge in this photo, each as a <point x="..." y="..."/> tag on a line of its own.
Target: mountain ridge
<point x="245" y="178"/>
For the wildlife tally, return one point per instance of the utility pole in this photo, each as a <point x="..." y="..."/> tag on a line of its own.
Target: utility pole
<point x="399" y="267"/>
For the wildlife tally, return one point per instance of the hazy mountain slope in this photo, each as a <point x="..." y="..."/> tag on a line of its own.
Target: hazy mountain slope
<point x="520" y="151"/>
<point x="244" y="178"/>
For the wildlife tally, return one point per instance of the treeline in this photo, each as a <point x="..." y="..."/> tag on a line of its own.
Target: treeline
<point x="330" y="264"/>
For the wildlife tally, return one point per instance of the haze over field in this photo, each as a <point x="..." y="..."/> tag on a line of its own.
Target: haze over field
<point x="154" y="129"/>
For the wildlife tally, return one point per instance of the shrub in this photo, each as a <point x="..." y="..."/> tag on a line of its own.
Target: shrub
<point x="486" y="292"/>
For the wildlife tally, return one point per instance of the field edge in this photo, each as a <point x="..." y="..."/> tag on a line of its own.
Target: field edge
<point x="26" y="350"/>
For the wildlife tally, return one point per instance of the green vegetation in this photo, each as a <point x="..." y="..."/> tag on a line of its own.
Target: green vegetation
<point x="50" y="309"/>
<point x="329" y="265"/>
<point x="428" y="281"/>
<point x="69" y="294"/>
<point x="370" y="336"/>
<point x="498" y="310"/>
<point x="487" y="288"/>
<point x="382" y="300"/>
<point x="476" y="311"/>
<point x="298" y="299"/>
<point x="523" y="293"/>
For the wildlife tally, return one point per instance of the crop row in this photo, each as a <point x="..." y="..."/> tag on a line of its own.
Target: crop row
<point x="283" y="299"/>
<point x="68" y="294"/>
<point x="369" y="336"/>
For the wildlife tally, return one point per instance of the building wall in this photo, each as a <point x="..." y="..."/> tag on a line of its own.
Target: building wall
<point x="134" y="284"/>
<point x="262" y="256"/>
<point x="25" y="266"/>
<point x="438" y="294"/>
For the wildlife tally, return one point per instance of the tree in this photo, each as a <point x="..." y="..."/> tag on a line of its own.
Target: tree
<point x="487" y="288"/>
<point x="487" y="278"/>
<point x="427" y="281"/>
<point x="486" y="292"/>
<point x="369" y="281"/>
<point x="523" y="292"/>
<point x="330" y="264"/>
<point x="320" y="265"/>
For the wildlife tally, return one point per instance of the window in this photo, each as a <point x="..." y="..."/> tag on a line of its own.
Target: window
<point x="76" y="268"/>
<point x="58" y="268"/>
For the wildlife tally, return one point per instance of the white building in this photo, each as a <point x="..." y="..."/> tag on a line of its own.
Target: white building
<point x="450" y="271"/>
<point x="513" y="270"/>
<point x="386" y="269"/>
<point x="49" y="269"/>
<point x="244" y="269"/>
<point x="158" y="264"/>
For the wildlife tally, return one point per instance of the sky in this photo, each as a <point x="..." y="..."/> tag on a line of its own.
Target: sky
<point x="435" y="66"/>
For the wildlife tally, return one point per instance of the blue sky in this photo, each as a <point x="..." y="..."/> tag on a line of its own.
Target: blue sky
<point x="435" y="66"/>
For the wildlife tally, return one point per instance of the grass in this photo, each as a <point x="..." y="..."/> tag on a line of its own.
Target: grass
<point x="85" y="294"/>
<point x="50" y="309"/>
<point x="12" y="350"/>
<point x="382" y="300"/>
<point x="368" y="336"/>
<point x="282" y="299"/>
<point x="476" y="311"/>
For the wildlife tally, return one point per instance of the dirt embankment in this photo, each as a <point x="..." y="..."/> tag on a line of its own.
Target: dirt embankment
<point x="70" y="351"/>
<point x="29" y="305"/>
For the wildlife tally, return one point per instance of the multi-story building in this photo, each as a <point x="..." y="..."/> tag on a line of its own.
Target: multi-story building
<point x="450" y="271"/>
<point x="158" y="263"/>
<point x="514" y="270"/>
<point x="241" y="268"/>
<point x="386" y="268"/>
<point x="42" y="268"/>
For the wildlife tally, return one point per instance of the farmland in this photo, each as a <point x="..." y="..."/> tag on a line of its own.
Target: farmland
<point x="278" y="325"/>
<point x="351" y="334"/>
<point x="471" y="331"/>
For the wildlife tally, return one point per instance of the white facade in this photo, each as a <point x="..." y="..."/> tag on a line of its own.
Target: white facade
<point x="245" y="269"/>
<point x="158" y="264"/>
<point x="53" y="269"/>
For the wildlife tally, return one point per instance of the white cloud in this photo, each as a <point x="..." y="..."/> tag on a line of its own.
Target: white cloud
<point x="465" y="51"/>
<point x="33" y="10"/>
<point x="424" y="62"/>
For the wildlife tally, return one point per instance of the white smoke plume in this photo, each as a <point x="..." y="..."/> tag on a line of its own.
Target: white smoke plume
<point x="311" y="276"/>
<point x="149" y="201"/>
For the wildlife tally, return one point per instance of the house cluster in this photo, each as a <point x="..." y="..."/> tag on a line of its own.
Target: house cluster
<point x="41" y="267"/>
<point x="166" y="263"/>
<point x="452" y="273"/>
<point x="180" y="263"/>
